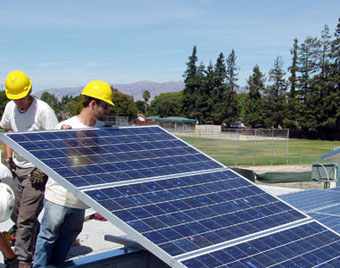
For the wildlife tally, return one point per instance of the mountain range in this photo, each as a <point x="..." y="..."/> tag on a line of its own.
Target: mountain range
<point x="135" y="89"/>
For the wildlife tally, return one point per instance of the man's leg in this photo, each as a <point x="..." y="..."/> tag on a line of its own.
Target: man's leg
<point x="53" y="219"/>
<point x="69" y="231"/>
<point x="31" y="204"/>
<point x="17" y="189"/>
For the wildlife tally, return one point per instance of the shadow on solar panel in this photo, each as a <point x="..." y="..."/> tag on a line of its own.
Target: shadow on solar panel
<point x="175" y="201"/>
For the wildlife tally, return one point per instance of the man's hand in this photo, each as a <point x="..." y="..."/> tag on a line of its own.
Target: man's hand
<point x="9" y="163"/>
<point x="38" y="177"/>
<point x="66" y="127"/>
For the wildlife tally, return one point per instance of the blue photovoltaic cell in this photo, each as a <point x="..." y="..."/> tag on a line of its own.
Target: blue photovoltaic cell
<point x="112" y="155"/>
<point x="192" y="212"/>
<point x="322" y="205"/>
<point x="308" y="245"/>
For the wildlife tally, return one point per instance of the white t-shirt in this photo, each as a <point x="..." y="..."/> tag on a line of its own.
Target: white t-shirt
<point x="39" y="116"/>
<point x="56" y="193"/>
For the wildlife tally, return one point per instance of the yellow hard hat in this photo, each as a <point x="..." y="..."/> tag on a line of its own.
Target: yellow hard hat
<point x="17" y="85"/>
<point x="99" y="90"/>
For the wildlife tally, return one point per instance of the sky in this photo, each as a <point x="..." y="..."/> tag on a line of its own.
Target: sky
<point x="68" y="43"/>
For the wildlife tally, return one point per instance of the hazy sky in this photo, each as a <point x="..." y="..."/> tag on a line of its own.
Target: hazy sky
<point x="67" y="43"/>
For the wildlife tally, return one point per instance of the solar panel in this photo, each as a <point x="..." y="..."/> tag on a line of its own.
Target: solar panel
<point x="182" y="214"/>
<point x="322" y="205"/>
<point x="177" y="202"/>
<point x="307" y="245"/>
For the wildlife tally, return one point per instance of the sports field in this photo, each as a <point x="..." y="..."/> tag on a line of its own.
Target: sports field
<point x="263" y="152"/>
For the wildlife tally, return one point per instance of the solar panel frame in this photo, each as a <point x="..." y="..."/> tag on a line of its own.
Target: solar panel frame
<point x="48" y="149"/>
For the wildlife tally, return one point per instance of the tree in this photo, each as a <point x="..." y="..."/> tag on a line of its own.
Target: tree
<point x="231" y="107"/>
<point x="254" y="113"/>
<point x="293" y="69"/>
<point x="140" y="106"/>
<point x="123" y="104"/>
<point x="335" y="55"/>
<point x="324" y="95"/>
<point x="231" y="72"/>
<point x="146" y="97"/>
<point x="219" y="89"/>
<point x="325" y="52"/>
<point x="290" y="120"/>
<point x="307" y="62"/>
<point x="167" y="104"/>
<point x="308" y="54"/>
<point x="335" y="77"/>
<point x="192" y="85"/>
<point x="3" y="101"/>
<point x="241" y="99"/>
<point x="51" y="100"/>
<point x="204" y="104"/>
<point x="275" y="95"/>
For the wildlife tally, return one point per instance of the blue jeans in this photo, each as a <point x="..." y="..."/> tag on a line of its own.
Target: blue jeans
<point x="60" y="226"/>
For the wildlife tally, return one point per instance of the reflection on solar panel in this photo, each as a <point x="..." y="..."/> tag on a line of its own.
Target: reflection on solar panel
<point x="322" y="205"/>
<point x="91" y="157"/>
<point x="178" y="203"/>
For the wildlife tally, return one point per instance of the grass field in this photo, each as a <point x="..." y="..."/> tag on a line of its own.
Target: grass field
<point x="265" y="152"/>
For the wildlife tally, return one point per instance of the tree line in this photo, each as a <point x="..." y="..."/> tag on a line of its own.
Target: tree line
<point x="304" y="97"/>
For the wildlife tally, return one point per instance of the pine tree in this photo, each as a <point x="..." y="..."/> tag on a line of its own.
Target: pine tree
<point x="275" y="95"/>
<point x="219" y="88"/>
<point x="335" y="79"/>
<point x="335" y="54"/>
<point x="231" y="107"/>
<point x="291" y="118"/>
<point x="293" y="69"/>
<point x="192" y="86"/>
<point x="205" y="102"/>
<point x="254" y="110"/>
<point x="322" y="98"/>
<point x="308" y="56"/>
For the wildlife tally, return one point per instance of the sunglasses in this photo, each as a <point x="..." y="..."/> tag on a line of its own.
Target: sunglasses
<point x="105" y="105"/>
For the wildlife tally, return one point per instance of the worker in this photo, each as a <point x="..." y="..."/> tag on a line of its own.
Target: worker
<point x="25" y="113"/>
<point x="63" y="213"/>
<point x="6" y="207"/>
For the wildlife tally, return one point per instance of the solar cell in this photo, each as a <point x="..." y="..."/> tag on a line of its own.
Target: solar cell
<point x="180" y="204"/>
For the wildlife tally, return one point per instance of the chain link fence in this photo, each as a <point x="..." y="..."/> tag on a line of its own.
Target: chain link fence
<point x="236" y="147"/>
<point x="117" y="120"/>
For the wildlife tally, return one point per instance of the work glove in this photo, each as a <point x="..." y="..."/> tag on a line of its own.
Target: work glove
<point x="9" y="163"/>
<point x="38" y="177"/>
<point x="11" y="263"/>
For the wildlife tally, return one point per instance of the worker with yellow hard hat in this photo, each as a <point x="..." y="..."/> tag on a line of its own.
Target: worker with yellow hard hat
<point x="25" y="113"/>
<point x="64" y="214"/>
